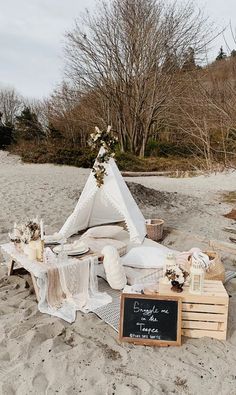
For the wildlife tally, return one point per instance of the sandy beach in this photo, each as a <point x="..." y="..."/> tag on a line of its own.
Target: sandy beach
<point x="40" y="354"/>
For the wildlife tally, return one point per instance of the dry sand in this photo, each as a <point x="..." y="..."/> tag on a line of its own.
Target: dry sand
<point x="40" y="354"/>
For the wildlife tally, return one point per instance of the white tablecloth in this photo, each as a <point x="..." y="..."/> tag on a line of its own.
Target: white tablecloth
<point x="68" y="308"/>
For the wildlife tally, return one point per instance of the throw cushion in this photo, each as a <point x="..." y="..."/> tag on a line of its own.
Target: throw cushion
<point x="146" y="257"/>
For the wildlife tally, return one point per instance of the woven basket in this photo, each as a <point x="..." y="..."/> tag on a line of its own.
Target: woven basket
<point x="154" y="229"/>
<point x="217" y="270"/>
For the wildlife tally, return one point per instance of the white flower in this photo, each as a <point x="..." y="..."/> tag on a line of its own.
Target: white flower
<point x="180" y="279"/>
<point x="177" y="270"/>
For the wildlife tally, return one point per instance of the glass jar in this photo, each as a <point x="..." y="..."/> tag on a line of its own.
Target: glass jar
<point x="62" y="256"/>
<point x="169" y="263"/>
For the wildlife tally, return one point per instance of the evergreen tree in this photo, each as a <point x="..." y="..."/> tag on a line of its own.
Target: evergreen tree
<point x="221" y="55"/>
<point x="233" y="53"/>
<point x="189" y="63"/>
<point x="27" y="126"/>
<point x="53" y="132"/>
<point x="6" y="134"/>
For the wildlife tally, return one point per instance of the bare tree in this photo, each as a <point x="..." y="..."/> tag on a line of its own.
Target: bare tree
<point x="122" y="54"/>
<point x="61" y="109"/>
<point x="10" y="105"/>
<point x="205" y="115"/>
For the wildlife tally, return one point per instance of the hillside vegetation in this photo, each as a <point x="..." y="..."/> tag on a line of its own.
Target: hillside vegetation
<point x="134" y="65"/>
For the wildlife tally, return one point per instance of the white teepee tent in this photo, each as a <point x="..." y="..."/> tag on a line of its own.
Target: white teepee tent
<point x="110" y="203"/>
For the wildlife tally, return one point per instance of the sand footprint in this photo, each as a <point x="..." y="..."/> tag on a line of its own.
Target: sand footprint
<point x="137" y="385"/>
<point x="4" y="370"/>
<point x="4" y="356"/>
<point x="40" y="384"/>
<point x="7" y="389"/>
<point x="120" y="389"/>
<point x="140" y="387"/>
<point x="20" y="330"/>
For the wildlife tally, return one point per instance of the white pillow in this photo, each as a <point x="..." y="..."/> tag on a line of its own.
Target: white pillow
<point x="107" y="231"/>
<point x="145" y="257"/>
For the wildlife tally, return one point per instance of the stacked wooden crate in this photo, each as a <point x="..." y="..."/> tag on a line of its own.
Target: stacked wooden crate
<point x="203" y="315"/>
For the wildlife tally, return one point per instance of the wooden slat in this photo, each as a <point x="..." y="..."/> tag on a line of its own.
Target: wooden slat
<point x="204" y="317"/>
<point x="202" y="307"/>
<point x="218" y="288"/>
<point x="221" y="300"/>
<point x="195" y="333"/>
<point x="199" y="325"/>
<point x="214" y="289"/>
<point x="222" y="326"/>
<point x="211" y="282"/>
<point x="211" y="295"/>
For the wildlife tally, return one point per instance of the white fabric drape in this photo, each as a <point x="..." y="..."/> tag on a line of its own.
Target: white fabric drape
<point x="77" y="278"/>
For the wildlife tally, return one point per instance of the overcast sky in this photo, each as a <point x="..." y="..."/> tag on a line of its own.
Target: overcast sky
<point x="32" y="34"/>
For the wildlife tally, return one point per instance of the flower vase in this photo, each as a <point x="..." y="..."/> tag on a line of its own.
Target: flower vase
<point x="18" y="246"/>
<point x="23" y="247"/>
<point x="32" y="251"/>
<point x="176" y="287"/>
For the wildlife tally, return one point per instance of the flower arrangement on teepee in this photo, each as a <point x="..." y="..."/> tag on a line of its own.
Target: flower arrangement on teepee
<point x="106" y="140"/>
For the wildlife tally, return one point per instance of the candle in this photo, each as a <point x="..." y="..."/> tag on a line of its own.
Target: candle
<point x="41" y="230"/>
<point x="32" y="253"/>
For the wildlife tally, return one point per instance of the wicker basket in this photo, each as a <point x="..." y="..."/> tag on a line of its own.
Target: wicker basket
<point x="217" y="270"/>
<point x="154" y="229"/>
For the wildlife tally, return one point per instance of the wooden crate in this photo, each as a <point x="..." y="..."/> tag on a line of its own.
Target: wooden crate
<point x="203" y="315"/>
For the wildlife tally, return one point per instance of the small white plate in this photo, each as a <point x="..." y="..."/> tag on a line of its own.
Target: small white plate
<point x="52" y="243"/>
<point x="71" y="252"/>
<point x="74" y="253"/>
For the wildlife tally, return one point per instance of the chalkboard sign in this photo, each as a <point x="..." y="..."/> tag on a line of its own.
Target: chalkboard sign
<point x="150" y="320"/>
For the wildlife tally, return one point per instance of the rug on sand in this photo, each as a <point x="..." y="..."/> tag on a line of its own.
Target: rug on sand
<point x="109" y="313"/>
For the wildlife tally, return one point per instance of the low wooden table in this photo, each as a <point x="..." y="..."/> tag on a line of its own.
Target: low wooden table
<point x="203" y="315"/>
<point x="35" y="268"/>
<point x="15" y="257"/>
